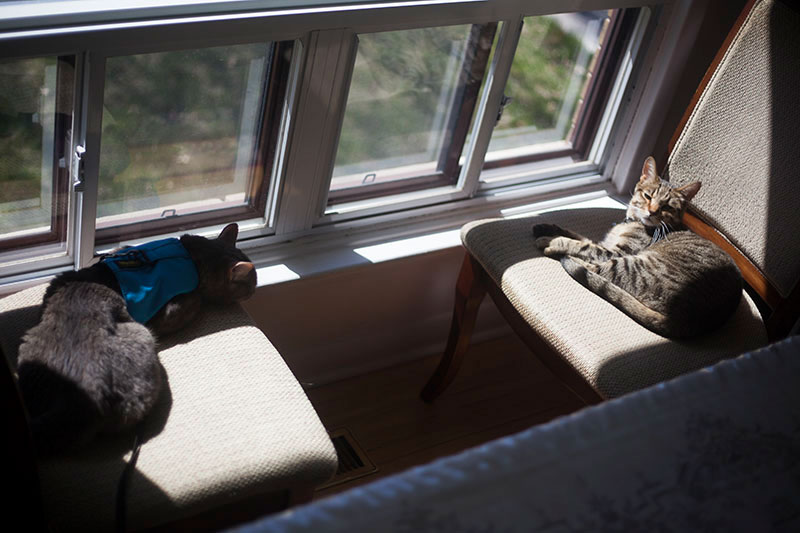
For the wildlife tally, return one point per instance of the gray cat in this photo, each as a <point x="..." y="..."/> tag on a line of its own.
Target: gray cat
<point x="650" y="266"/>
<point x="88" y="367"/>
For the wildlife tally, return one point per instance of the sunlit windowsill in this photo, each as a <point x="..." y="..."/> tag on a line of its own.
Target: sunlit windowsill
<point x="334" y="249"/>
<point x="303" y="265"/>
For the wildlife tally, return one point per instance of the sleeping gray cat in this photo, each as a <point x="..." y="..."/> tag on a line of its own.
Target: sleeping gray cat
<point x="659" y="273"/>
<point x="88" y="367"/>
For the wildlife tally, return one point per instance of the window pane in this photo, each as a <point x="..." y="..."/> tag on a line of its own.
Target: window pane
<point x="411" y="97"/>
<point x="548" y="77"/>
<point x="35" y="119"/>
<point x="181" y="135"/>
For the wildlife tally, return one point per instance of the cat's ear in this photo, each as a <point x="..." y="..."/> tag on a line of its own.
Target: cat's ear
<point x="241" y="270"/>
<point x="689" y="190"/>
<point x="649" y="170"/>
<point x="229" y="234"/>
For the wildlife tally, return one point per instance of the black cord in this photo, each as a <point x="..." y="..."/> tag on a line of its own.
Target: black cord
<point x="122" y="486"/>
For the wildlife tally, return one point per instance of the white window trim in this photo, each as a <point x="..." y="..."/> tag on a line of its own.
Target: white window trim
<point x="21" y="15"/>
<point x="469" y="183"/>
<point x="304" y="196"/>
<point x="669" y="50"/>
<point x="285" y="264"/>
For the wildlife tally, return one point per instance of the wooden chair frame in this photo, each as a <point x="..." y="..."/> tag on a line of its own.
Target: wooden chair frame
<point x="474" y="282"/>
<point x="472" y="285"/>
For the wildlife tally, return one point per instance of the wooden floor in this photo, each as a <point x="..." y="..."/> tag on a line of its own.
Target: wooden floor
<point x="501" y="389"/>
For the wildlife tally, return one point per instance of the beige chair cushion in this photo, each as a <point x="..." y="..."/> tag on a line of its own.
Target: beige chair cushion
<point x="233" y="423"/>
<point x="613" y="353"/>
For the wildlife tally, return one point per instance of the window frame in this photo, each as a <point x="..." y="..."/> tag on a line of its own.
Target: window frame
<point x="530" y="172"/>
<point x="316" y="92"/>
<point x="455" y="134"/>
<point x="589" y="113"/>
<point x="257" y="194"/>
<point x="60" y="175"/>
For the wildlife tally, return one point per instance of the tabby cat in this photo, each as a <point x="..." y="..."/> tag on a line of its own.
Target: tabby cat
<point x="88" y="366"/>
<point x="650" y="266"/>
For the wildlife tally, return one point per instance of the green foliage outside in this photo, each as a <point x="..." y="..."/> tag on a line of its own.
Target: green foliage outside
<point x="171" y="120"/>
<point x="540" y="74"/>
<point x="394" y="96"/>
<point x="399" y="78"/>
<point x="21" y="83"/>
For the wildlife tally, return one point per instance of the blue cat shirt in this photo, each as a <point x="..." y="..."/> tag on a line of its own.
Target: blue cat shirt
<point x="151" y="274"/>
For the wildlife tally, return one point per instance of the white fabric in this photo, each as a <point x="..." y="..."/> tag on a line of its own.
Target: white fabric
<point x="715" y="450"/>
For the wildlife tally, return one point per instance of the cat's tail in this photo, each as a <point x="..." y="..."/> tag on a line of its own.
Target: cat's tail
<point x="620" y="298"/>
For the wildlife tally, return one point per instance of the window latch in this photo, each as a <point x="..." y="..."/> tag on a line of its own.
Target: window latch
<point x="78" y="168"/>
<point x="503" y="103"/>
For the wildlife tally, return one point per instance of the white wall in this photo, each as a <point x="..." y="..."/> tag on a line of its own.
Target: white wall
<point x="347" y="322"/>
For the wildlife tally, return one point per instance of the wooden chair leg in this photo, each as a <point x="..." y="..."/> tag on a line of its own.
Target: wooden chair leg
<point x="470" y="290"/>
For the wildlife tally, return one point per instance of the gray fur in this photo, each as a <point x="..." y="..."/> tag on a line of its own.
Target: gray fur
<point x="662" y="275"/>
<point x="99" y="366"/>
<point x="89" y="368"/>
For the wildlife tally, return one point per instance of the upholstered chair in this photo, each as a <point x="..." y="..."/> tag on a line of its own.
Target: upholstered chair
<point x="739" y="138"/>
<point x="233" y="437"/>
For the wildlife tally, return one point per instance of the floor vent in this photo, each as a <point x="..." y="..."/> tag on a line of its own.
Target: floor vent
<point x="353" y="462"/>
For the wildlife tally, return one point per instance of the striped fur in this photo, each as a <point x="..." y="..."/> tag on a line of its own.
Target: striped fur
<point x="662" y="275"/>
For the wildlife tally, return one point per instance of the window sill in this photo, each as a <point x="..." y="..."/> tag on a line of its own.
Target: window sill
<point x="364" y="242"/>
<point x="311" y="260"/>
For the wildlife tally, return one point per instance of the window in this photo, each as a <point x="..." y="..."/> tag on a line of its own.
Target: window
<point x="562" y="95"/>
<point x="187" y="138"/>
<point x="414" y="94"/>
<point x="409" y="107"/>
<point x="36" y="104"/>
<point x="558" y="86"/>
<point x="548" y="79"/>
<point x="314" y="120"/>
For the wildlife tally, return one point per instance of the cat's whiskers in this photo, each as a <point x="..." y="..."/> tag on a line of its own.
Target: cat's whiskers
<point x="665" y="228"/>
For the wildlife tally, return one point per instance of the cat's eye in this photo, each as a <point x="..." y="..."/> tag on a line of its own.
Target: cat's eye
<point x="647" y="196"/>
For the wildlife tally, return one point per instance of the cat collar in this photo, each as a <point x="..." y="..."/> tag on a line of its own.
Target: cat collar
<point x="659" y="232"/>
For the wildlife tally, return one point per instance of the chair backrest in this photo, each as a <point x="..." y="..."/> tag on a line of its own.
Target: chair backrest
<point x="740" y="136"/>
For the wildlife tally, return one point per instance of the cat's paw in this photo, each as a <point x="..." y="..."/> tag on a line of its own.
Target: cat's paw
<point x="574" y="269"/>
<point x="581" y="271"/>
<point x="543" y="242"/>
<point x="547" y="230"/>
<point x="577" y="267"/>
<point x="545" y="235"/>
<point x="553" y="246"/>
